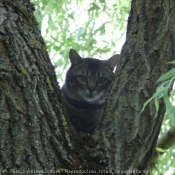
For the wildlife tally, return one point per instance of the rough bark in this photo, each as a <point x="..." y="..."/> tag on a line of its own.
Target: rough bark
<point x="148" y="48"/>
<point x="35" y="134"/>
<point x="33" y="129"/>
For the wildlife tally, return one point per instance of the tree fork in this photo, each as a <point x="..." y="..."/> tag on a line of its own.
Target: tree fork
<point x="35" y="133"/>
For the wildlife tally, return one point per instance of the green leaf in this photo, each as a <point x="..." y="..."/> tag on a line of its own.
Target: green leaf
<point x="162" y="92"/>
<point x="162" y="85"/>
<point x="146" y="103"/>
<point x="157" y="106"/>
<point x="167" y="75"/>
<point x="160" y="150"/>
<point x="171" y="62"/>
<point x="170" y="109"/>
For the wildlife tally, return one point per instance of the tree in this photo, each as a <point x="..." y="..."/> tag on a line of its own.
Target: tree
<point x="83" y="34"/>
<point x="35" y="134"/>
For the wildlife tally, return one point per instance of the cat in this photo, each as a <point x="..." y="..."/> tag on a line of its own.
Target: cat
<point x="85" y="88"/>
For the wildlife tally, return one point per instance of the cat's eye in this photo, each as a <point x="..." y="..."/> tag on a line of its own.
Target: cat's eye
<point x="101" y="81"/>
<point x="82" y="78"/>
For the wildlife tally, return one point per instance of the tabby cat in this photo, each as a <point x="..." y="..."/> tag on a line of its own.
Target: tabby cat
<point x="86" y="85"/>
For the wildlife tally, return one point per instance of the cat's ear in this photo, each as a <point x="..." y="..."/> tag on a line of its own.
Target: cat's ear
<point x="74" y="57"/>
<point x="112" y="62"/>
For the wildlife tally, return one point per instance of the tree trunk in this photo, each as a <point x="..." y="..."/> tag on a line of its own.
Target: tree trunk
<point x="35" y="134"/>
<point x="148" y="48"/>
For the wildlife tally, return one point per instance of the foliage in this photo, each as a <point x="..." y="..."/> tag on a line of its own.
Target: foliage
<point x="89" y="27"/>
<point x="166" y="161"/>
<point x="94" y="28"/>
<point x="165" y="91"/>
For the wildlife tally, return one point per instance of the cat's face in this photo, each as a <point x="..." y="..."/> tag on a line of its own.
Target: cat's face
<point x="88" y="79"/>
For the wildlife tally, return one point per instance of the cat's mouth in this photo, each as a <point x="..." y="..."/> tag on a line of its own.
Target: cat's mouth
<point x="94" y="97"/>
<point x="90" y="95"/>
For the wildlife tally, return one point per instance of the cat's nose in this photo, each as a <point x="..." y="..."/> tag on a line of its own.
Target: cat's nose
<point x="91" y="88"/>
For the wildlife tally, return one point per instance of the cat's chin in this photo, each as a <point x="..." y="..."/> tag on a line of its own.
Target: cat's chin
<point x="96" y="98"/>
<point x="90" y="102"/>
<point x="83" y="103"/>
